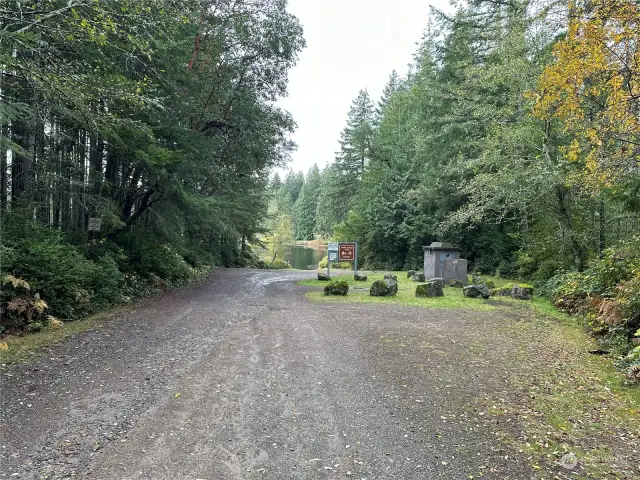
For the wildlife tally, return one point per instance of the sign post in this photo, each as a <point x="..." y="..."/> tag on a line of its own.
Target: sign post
<point x="94" y="225"/>
<point x="342" y="252"/>
<point x="348" y="252"/>
<point x="332" y="255"/>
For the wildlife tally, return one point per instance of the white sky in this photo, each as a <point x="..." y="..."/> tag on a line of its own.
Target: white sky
<point x="351" y="44"/>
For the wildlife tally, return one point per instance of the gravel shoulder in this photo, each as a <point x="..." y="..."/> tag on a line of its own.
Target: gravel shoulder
<point x="242" y="377"/>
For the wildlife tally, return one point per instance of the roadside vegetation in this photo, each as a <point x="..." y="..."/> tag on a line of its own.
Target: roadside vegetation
<point x="162" y="132"/>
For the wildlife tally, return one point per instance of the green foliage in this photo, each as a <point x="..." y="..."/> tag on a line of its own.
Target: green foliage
<point x="455" y="154"/>
<point x="276" y="265"/>
<point x="337" y="265"/>
<point x="607" y="294"/>
<point x="58" y="272"/>
<point x="150" y="257"/>
<point x="307" y="204"/>
<point x="170" y="144"/>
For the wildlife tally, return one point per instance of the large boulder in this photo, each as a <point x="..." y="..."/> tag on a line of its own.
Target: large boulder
<point x="438" y="281"/>
<point x="385" y="288"/>
<point x="418" y="277"/>
<point x="455" y="283"/>
<point x="432" y="288"/>
<point x="359" y="278"/>
<point x="522" y="292"/>
<point x="392" y="283"/>
<point x="379" y="289"/>
<point x="323" y="277"/>
<point x="476" y="291"/>
<point x="514" y="290"/>
<point x="411" y="273"/>
<point x="337" y="287"/>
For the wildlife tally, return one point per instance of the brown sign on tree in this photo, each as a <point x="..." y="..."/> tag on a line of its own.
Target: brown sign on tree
<point x="347" y="252"/>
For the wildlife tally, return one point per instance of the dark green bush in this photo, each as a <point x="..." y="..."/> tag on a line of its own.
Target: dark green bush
<point x="275" y="265"/>
<point x="66" y="279"/>
<point x="607" y="294"/>
<point x="71" y="284"/>
<point x="150" y="257"/>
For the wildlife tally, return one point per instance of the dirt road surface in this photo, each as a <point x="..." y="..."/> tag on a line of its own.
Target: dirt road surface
<point x="242" y="377"/>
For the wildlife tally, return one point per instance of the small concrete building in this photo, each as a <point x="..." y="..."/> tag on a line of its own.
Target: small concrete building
<point x="442" y="260"/>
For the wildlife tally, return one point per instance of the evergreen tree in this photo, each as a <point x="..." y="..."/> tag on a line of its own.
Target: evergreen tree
<point x="307" y="205"/>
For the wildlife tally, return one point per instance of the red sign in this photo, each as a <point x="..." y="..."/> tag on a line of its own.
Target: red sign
<point x="347" y="252"/>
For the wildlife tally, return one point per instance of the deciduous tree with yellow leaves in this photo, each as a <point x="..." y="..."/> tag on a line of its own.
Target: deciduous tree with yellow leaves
<point x="593" y="88"/>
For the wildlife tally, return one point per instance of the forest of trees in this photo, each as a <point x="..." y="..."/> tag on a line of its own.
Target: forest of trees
<point x="515" y="135"/>
<point x="157" y="116"/>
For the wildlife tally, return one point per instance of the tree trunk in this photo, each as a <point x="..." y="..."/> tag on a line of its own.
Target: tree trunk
<point x="576" y="250"/>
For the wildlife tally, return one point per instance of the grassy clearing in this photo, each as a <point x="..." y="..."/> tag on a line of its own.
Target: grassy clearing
<point x="22" y="349"/>
<point x="359" y="293"/>
<point x="453" y="299"/>
<point x="562" y="398"/>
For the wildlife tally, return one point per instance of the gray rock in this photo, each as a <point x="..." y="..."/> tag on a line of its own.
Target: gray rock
<point x="501" y="292"/>
<point x="429" y="290"/>
<point x="360" y="278"/>
<point x="438" y="281"/>
<point x="418" y="277"/>
<point x="392" y="283"/>
<point x="323" y="277"/>
<point x="476" y="291"/>
<point x="568" y="461"/>
<point x="411" y="273"/>
<point x="337" y="287"/>
<point x="385" y="288"/>
<point x="455" y="283"/>
<point x="520" y="292"/>
<point x="379" y="289"/>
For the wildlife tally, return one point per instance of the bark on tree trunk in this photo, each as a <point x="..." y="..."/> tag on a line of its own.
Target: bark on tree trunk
<point x="576" y="250"/>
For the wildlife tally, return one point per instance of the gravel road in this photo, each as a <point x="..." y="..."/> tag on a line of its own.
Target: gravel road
<point x="241" y="377"/>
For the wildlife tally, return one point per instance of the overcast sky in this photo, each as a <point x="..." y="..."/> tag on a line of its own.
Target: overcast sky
<point x="351" y="44"/>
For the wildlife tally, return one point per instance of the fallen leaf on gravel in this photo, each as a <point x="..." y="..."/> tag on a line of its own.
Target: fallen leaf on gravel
<point x="568" y="461"/>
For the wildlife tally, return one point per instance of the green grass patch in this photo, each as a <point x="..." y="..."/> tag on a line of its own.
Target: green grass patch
<point x="16" y="349"/>
<point x="359" y="293"/>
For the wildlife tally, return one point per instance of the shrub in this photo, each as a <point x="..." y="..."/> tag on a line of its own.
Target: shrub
<point x="155" y="260"/>
<point x="21" y="308"/>
<point x="275" y="265"/>
<point x="71" y="284"/>
<point x="337" y="265"/>
<point x="607" y="294"/>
